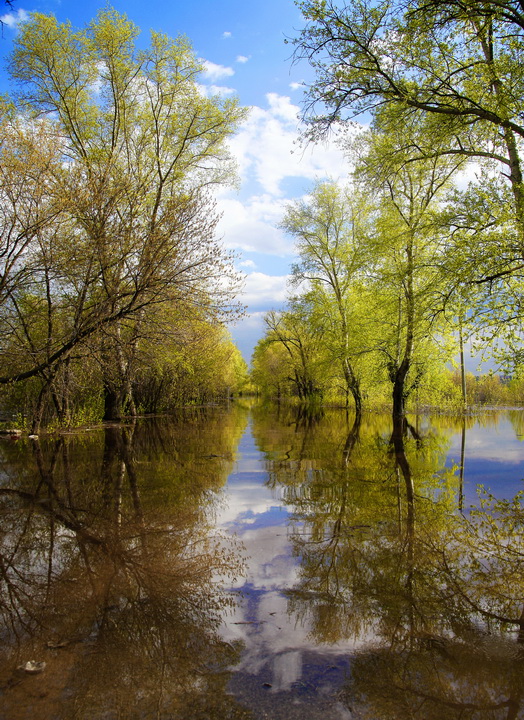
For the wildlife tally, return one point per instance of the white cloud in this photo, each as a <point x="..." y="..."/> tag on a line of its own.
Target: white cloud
<point x="270" y="160"/>
<point x="12" y="20"/>
<point x="242" y="59"/>
<point x="247" y="264"/>
<point x="254" y="320"/>
<point x="226" y="34"/>
<point x="262" y="289"/>
<point x="213" y="71"/>
<point x="296" y="85"/>
<point x="267" y="148"/>
<point x="251" y="225"/>
<point x="212" y="90"/>
<point x="274" y="168"/>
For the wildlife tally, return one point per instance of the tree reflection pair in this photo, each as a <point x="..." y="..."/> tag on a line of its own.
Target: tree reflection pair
<point x="111" y="575"/>
<point x="432" y="597"/>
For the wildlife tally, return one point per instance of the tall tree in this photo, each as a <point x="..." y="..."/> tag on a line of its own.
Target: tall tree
<point x="136" y="147"/>
<point x="455" y="63"/>
<point x="406" y="255"/>
<point x="331" y="257"/>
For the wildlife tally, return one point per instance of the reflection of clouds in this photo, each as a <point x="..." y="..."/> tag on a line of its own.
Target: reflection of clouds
<point x="278" y="646"/>
<point x="271" y="564"/>
<point x="242" y="499"/>
<point x="287" y="669"/>
<point x="497" y="442"/>
<point x="246" y="495"/>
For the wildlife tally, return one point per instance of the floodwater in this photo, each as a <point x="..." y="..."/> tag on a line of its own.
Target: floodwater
<point x="248" y="563"/>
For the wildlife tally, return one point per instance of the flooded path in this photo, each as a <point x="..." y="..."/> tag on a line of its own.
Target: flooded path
<point x="252" y="563"/>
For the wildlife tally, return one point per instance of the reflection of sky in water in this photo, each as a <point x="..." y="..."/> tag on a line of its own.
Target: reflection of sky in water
<point x="280" y="659"/>
<point x="282" y="669"/>
<point x="248" y="501"/>
<point x="494" y="458"/>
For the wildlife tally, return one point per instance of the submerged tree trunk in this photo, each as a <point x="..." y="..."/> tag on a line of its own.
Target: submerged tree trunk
<point x="113" y="400"/>
<point x="353" y="386"/>
<point x="399" y="390"/>
<point x="117" y="355"/>
<point x="400" y="369"/>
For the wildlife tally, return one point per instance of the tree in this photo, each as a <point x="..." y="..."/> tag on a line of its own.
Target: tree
<point x="269" y="368"/>
<point x="406" y="282"/>
<point x="128" y="222"/>
<point x="302" y="340"/>
<point x="453" y="63"/>
<point x="331" y="258"/>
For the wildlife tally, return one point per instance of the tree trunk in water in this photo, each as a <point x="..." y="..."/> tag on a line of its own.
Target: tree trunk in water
<point x="357" y="398"/>
<point x="38" y="412"/>
<point x="353" y="385"/>
<point x="112" y="404"/>
<point x="462" y="370"/>
<point x="399" y="393"/>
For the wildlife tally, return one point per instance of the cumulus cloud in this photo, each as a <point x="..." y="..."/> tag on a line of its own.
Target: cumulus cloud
<point x="213" y="71"/>
<point x="267" y="148"/>
<point x="296" y="85"/>
<point x="274" y="167"/>
<point x="226" y="34"/>
<point x="242" y="59"/>
<point x="12" y="20"/>
<point x="212" y="90"/>
<point x="251" y="225"/>
<point x="254" y="320"/>
<point x="269" y="159"/>
<point x="265" y="290"/>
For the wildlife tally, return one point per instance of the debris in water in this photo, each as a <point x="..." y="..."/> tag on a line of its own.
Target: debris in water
<point x="33" y="667"/>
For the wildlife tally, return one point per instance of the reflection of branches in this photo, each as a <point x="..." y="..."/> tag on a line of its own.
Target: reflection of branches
<point x="91" y="557"/>
<point x="386" y="559"/>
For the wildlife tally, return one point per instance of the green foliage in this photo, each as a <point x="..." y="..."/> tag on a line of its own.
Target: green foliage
<point x="444" y="85"/>
<point x="369" y="288"/>
<point x="106" y="163"/>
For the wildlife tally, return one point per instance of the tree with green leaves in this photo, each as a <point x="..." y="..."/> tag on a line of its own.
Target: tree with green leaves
<point x="301" y="358"/>
<point x="406" y="283"/>
<point x="124" y="220"/>
<point x="453" y="64"/>
<point x="332" y="256"/>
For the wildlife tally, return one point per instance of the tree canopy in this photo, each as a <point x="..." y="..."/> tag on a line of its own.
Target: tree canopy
<point x="441" y="235"/>
<point x="108" y="155"/>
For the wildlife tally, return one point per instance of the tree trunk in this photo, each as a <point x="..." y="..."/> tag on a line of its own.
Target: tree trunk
<point x="353" y="385"/>
<point x="462" y="370"/>
<point x="112" y="404"/>
<point x="399" y="393"/>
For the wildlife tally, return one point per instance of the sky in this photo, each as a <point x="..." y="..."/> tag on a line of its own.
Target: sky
<point x="242" y="45"/>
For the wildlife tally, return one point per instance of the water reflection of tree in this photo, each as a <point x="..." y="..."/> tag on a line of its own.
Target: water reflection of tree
<point x="434" y="598"/>
<point x="110" y="574"/>
<point x="460" y="655"/>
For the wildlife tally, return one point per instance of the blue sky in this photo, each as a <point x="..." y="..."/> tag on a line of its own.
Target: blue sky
<point x="243" y="47"/>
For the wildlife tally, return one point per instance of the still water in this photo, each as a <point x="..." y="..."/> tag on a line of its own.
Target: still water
<point x="250" y="563"/>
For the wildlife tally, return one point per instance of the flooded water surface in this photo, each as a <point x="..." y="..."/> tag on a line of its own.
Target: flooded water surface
<point x="251" y="563"/>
